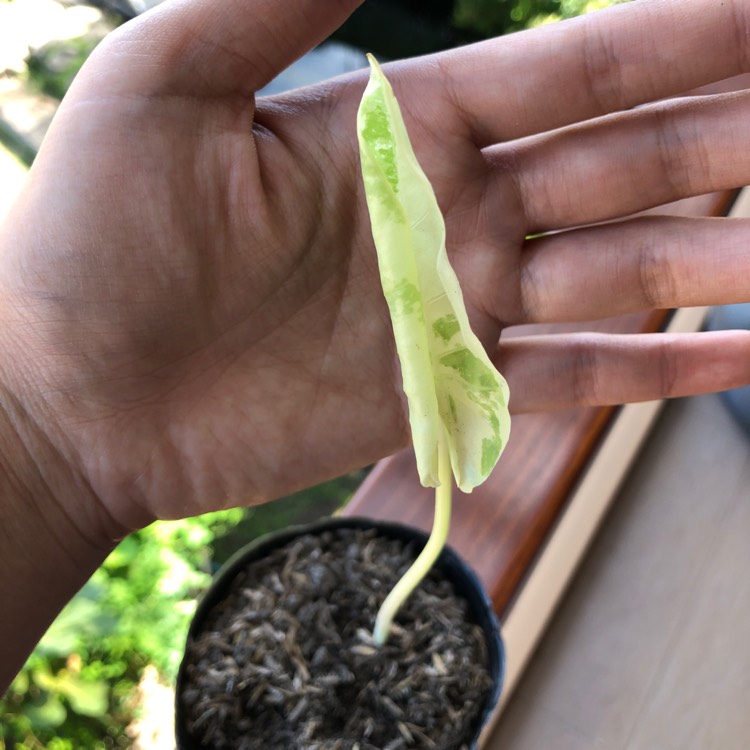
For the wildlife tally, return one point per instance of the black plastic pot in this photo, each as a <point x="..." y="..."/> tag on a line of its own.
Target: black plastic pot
<point x="463" y="578"/>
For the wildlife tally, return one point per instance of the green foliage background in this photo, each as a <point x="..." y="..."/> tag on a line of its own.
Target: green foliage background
<point x="77" y="689"/>
<point x="494" y="17"/>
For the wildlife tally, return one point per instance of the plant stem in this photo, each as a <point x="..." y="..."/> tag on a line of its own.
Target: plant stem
<point x="421" y="566"/>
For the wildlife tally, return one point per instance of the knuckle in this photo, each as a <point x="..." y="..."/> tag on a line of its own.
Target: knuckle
<point x="657" y="284"/>
<point x="667" y="371"/>
<point x="586" y="385"/>
<point x="682" y="160"/>
<point x="602" y="70"/>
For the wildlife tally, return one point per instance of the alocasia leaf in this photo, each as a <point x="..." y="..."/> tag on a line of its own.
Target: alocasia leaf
<point x="458" y="401"/>
<point x="453" y="390"/>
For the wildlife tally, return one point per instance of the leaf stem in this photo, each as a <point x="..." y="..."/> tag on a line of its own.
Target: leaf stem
<point x="421" y="566"/>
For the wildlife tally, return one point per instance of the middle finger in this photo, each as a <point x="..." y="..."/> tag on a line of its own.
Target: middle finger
<point x="621" y="164"/>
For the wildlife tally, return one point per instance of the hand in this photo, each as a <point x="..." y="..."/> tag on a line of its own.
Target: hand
<point x="191" y="315"/>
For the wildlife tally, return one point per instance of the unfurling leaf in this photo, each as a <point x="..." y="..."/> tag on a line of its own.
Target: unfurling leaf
<point x="454" y="392"/>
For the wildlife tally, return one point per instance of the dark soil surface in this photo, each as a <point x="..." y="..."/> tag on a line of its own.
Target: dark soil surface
<point x="286" y="661"/>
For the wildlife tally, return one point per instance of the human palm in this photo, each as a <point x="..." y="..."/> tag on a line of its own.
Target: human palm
<point x="208" y="329"/>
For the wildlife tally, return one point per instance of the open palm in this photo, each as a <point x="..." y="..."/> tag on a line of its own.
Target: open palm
<point x="196" y="320"/>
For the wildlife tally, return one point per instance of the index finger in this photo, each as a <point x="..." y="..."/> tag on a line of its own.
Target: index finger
<point x="611" y="60"/>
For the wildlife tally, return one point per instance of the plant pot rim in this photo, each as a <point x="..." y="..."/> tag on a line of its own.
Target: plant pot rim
<point x="455" y="568"/>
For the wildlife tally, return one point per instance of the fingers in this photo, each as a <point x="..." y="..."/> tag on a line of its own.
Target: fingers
<point x="641" y="264"/>
<point x="624" y="163"/>
<point x="610" y="60"/>
<point x="553" y="372"/>
<point x="224" y="47"/>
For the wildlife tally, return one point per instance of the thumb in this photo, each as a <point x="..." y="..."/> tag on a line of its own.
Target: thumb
<point x="221" y="47"/>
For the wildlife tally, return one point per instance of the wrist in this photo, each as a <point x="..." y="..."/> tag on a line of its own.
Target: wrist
<point x="53" y="534"/>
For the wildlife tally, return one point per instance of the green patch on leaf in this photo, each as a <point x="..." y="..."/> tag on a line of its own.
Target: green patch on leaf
<point x="446" y="327"/>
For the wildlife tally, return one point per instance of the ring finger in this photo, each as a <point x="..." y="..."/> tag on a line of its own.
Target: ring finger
<point x="645" y="263"/>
